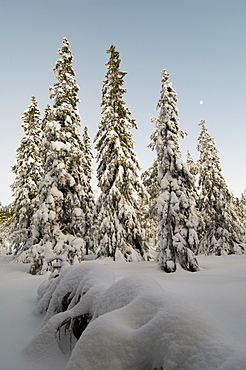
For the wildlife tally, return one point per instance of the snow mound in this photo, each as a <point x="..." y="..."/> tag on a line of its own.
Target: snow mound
<point x="137" y="325"/>
<point x="69" y="301"/>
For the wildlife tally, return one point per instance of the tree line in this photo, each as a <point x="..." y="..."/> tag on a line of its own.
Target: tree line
<point x="181" y="208"/>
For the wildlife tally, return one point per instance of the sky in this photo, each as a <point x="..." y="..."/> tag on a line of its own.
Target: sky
<point x="201" y="44"/>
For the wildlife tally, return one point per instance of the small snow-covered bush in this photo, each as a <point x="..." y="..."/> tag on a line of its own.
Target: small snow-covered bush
<point x="69" y="301"/>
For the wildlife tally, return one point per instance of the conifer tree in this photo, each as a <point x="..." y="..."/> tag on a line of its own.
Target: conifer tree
<point x="176" y="204"/>
<point x="6" y="213"/>
<point x="222" y="231"/>
<point x="119" y="231"/>
<point x="193" y="167"/>
<point x="89" y="203"/>
<point x="151" y="182"/>
<point x="59" y="225"/>
<point x="242" y="209"/>
<point x="149" y="208"/>
<point x="28" y="171"/>
<point x="6" y="219"/>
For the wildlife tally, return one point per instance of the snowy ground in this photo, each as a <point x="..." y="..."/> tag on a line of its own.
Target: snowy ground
<point x="220" y="288"/>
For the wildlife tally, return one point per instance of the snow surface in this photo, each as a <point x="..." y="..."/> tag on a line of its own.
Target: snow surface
<point x="147" y="318"/>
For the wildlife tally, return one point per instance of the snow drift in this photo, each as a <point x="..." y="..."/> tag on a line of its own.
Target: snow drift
<point x="69" y="301"/>
<point x="134" y="324"/>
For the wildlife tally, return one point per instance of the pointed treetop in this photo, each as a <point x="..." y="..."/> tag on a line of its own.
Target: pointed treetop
<point x="207" y="148"/>
<point x="65" y="52"/>
<point x="31" y="116"/>
<point x="113" y="91"/>
<point x="66" y="89"/>
<point x="169" y="96"/>
<point x="114" y="56"/>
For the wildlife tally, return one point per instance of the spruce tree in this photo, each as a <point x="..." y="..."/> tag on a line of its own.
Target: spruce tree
<point x="28" y="171"/>
<point x="120" y="234"/>
<point x="242" y="209"/>
<point x="60" y="224"/>
<point x="89" y="203"/>
<point x="6" y="213"/>
<point x="176" y="204"/>
<point x="151" y="182"/>
<point x="6" y="219"/>
<point x="221" y="231"/>
<point x="149" y="208"/>
<point x="192" y="165"/>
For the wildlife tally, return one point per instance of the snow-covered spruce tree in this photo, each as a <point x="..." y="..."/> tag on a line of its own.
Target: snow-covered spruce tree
<point x="60" y="223"/>
<point x="242" y="209"/>
<point x="222" y="231"/>
<point x="149" y="207"/>
<point x="28" y="171"/>
<point x="150" y="178"/>
<point x="89" y="203"/>
<point x="6" y="213"/>
<point x="192" y="165"/>
<point x="176" y="204"/>
<point x="6" y="219"/>
<point x="120" y="234"/>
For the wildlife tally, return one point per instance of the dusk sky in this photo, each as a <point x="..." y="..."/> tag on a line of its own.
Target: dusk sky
<point x="201" y="44"/>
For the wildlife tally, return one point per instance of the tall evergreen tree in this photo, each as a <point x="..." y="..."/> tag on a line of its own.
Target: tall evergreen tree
<point x="192" y="165"/>
<point x="176" y="204"/>
<point x="6" y="213"/>
<point x="89" y="204"/>
<point x="222" y="231"/>
<point x="119" y="231"/>
<point x="6" y="219"/>
<point x="149" y="208"/>
<point x="28" y="171"/>
<point x="242" y="209"/>
<point x="150" y="178"/>
<point x="59" y="225"/>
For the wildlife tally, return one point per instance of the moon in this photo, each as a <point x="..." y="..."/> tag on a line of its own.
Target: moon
<point x="201" y="102"/>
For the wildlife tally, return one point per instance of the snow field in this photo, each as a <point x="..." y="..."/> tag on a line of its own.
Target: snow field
<point x="146" y="320"/>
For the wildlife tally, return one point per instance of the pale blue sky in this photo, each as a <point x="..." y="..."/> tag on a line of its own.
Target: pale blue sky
<point x="201" y="44"/>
